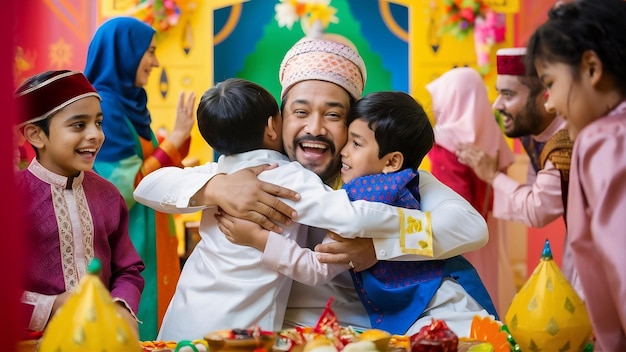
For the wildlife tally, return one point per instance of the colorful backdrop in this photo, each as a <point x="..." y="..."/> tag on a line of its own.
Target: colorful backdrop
<point x="400" y="41"/>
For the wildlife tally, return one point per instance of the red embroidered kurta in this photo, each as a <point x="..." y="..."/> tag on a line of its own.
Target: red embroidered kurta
<point x="71" y="221"/>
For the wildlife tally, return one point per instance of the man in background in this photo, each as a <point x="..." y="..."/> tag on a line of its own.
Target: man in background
<point x="543" y="135"/>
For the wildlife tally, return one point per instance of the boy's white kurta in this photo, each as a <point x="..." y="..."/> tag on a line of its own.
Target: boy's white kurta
<point x="225" y="286"/>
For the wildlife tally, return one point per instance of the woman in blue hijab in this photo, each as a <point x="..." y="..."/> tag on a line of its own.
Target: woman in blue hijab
<point x="119" y="61"/>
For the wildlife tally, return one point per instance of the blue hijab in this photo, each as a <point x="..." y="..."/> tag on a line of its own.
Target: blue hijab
<point x="112" y="61"/>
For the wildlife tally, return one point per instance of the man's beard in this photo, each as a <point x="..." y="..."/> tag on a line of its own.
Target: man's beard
<point x="525" y="123"/>
<point x="331" y="170"/>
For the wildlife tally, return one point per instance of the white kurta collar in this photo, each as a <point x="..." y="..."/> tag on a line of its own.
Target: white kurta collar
<point x="50" y="177"/>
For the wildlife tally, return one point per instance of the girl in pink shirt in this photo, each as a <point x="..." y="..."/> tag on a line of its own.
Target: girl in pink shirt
<point x="579" y="54"/>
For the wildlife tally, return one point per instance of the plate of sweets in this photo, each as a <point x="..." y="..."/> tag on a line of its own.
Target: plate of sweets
<point x="486" y="335"/>
<point x="328" y="336"/>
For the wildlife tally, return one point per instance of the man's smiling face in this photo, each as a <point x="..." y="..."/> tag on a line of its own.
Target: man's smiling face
<point x="314" y="125"/>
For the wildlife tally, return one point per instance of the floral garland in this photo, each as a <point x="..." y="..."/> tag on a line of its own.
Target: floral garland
<point x="488" y="31"/>
<point x="460" y="16"/>
<point x="162" y="15"/>
<point x="465" y="17"/>
<point x="307" y="12"/>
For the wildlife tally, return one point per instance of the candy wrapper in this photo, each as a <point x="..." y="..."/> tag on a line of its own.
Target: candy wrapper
<point x="329" y="325"/>
<point x="488" y="331"/>
<point x="547" y="314"/>
<point x="436" y="337"/>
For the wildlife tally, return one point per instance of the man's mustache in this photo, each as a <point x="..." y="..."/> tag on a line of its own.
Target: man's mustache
<point x="320" y="139"/>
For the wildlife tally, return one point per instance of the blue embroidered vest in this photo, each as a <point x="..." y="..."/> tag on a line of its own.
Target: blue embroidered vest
<point x="396" y="293"/>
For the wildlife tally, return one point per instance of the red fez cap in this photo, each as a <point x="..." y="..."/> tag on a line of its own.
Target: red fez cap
<point x="44" y="99"/>
<point x="510" y="61"/>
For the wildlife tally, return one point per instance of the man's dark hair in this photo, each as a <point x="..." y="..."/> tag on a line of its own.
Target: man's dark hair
<point x="399" y="123"/>
<point x="233" y="114"/>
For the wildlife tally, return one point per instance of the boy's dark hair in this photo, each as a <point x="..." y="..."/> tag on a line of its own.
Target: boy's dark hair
<point x="233" y="114"/>
<point x="576" y="27"/>
<point x="35" y="81"/>
<point x="399" y="123"/>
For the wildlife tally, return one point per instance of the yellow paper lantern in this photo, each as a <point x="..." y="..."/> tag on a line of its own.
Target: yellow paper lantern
<point x="547" y="314"/>
<point x="89" y="321"/>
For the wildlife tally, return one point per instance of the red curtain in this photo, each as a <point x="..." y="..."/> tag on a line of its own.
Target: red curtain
<point x="10" y="239"/>
<point x="52" y="35"/>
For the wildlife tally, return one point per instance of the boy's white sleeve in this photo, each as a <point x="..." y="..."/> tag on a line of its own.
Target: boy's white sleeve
<point x="169" y="189"/>
<point x="290" y="259"/>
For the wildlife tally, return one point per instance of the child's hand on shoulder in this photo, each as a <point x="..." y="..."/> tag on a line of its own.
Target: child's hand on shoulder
<point x="242" y="232"/>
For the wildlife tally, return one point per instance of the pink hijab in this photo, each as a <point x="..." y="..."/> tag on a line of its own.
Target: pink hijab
<point x="463" y="114"/>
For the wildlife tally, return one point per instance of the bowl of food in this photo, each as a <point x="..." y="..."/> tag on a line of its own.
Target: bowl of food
<point x="240" y="340"/>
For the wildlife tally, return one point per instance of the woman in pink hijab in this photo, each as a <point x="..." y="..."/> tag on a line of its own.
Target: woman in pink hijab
<point x="463" y="114"/>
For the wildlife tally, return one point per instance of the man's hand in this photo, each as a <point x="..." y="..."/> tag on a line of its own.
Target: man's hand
<point x="242" y="195"/>
<point x="358" y="251"/>
<point x="242" y="232"/>
<point x="485" y="166"/>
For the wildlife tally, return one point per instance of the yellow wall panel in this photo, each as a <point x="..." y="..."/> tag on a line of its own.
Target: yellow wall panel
<point x="189" y="72"/>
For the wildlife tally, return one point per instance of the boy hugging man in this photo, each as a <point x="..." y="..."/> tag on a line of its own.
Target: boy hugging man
<point x="241" y="121"/>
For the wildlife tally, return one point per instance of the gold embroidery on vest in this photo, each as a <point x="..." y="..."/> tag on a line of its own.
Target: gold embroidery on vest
<point x="559" y="151"/>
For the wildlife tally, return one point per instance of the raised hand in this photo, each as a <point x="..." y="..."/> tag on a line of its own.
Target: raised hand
<point x="485" y="166"/>
<point x="185" y="119"/>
